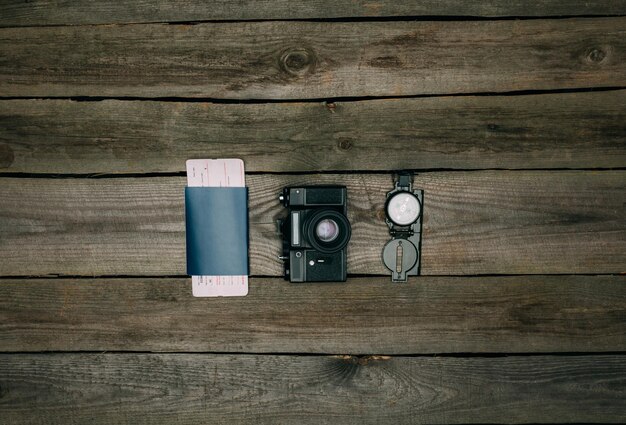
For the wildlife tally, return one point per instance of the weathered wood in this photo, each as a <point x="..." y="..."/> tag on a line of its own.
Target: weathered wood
<point x="364" y="316"/>
<point x="540" y="131"/>
<point x="517" y="222"/>
<point x="198" y="389"/>
<point x="288" y="60"/>
<point x="45" y="12"/>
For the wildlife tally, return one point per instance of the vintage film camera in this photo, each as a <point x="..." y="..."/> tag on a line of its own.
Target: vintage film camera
<point x="315" y="233"/>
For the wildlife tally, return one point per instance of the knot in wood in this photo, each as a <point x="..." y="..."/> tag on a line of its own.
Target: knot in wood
<point x="596" y="54"/>
<point x="297" y="61"/>
<point x="345" y="144"/>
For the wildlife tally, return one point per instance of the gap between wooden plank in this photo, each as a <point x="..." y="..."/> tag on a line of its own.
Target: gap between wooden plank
<point x="257" y="276"/>
<point x="94" y="12"/>
<point x="96" y="176"/>
<point x="315" y="100"/>
<point x="403" y="18"/>
<point x="458" y="355"/>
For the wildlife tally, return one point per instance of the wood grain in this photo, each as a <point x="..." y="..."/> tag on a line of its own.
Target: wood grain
<point x="491" y="222"/>
<point x="46" y="12"/>
<point x="196" y="389"/>
<point x="569" y="130"/>
<point x="289" y="60"/>
<point x="362" y="316"/>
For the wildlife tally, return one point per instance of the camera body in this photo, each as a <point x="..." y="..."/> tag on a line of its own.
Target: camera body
<point x="315" y="233"/>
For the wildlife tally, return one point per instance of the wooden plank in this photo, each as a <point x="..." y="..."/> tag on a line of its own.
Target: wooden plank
<point x="289" y="60"/>
<point x="364" y="316"/>
<point x="196" y="389"/>
<point x="492" y="222"/>
<point x="540" y="131"/>
<point x="45" y="12"/>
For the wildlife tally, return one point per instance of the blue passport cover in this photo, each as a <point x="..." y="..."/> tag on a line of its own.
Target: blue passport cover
<point x="216" y="222"/>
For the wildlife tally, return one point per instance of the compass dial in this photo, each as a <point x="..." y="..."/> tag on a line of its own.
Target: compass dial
<point x="403" y="208"/>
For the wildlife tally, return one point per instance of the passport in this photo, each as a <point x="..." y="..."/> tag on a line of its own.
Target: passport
<point x="216" y="220"/>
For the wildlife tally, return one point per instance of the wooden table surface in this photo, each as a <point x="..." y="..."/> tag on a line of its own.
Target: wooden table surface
<point x="512" y="114"/>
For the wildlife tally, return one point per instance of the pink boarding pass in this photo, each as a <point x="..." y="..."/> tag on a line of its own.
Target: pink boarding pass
<point x="217" y="173"/>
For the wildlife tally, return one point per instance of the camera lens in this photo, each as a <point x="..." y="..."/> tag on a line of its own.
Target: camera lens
<point x="327" y="230"/>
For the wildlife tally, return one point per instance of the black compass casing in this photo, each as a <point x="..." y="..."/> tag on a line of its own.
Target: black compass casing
<point x="403" y="214"/>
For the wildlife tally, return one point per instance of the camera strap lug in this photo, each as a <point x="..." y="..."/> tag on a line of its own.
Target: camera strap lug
<point x="279" y="226"/>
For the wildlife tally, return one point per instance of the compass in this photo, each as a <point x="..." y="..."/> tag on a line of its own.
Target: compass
<point x="403" y="210"/>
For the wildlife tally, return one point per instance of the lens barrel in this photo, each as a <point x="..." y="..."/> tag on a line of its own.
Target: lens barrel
<point x="327" y="243"/>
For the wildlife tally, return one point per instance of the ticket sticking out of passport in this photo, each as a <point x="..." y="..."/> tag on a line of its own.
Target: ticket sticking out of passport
<point x="217" y="227"/>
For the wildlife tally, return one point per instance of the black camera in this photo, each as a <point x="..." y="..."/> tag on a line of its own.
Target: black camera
<point x="315" y="233"/>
